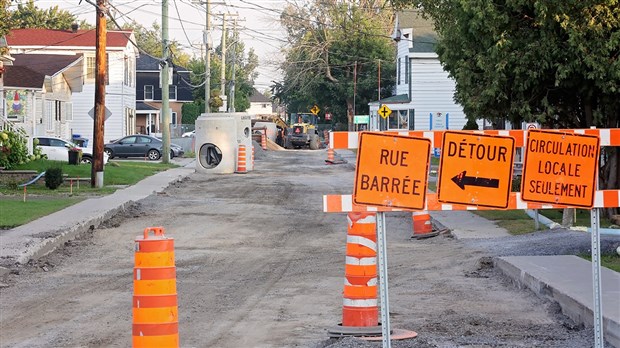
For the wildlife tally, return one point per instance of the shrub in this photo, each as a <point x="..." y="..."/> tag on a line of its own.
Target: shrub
<point x="13" y="150"/>
<point x="53" y="177"/>
<point x="470" y="125"/>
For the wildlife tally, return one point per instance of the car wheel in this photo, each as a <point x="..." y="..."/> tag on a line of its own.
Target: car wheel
<point x="109" y="152"/>
<point x="171" y="154"/>
<point x="154" y="155"/>
<point x="86" y="160"/>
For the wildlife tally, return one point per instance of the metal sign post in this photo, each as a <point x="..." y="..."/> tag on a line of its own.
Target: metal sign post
<point x="596" y="279"/>
<point x="383" y="280"/>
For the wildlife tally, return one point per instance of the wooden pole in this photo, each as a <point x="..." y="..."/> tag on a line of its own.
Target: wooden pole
<point x="96" y="179"/>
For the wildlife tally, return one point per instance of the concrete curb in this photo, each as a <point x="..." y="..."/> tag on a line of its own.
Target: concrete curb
<point x="36" y="239"/>
<point x="539" y="274"/>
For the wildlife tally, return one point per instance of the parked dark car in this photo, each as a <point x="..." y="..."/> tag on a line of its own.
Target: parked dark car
<point x="140" y="146"/>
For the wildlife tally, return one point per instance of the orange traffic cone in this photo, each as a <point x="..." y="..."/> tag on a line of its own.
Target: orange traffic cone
<point x="155" y="312"/>
<point x="422" y="226"/>
<point x="253" y="153"/>
<point x="241" y="160"/>
<point x="330" y="155"/>
<point x="263" y="140"/>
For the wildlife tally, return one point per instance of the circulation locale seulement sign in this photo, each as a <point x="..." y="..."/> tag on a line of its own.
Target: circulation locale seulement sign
<point x="560" y="168"/>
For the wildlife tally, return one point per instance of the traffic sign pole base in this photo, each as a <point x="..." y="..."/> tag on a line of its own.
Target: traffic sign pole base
<point x="335" y="162"/>
<point x="369" y="333"/>
<point x="425" y="235"/>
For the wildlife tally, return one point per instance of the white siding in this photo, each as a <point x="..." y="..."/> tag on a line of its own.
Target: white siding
<point x="402" y="48"/>
<point x="118" y="97"/>
<point x="433" y="92"/>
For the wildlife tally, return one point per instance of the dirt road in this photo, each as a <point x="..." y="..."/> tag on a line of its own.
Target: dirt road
<point x="260" y="265"/>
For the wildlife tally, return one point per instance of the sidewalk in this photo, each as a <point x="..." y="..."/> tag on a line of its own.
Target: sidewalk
<point x="565" y="279"/>
<point x="39" y="237"/>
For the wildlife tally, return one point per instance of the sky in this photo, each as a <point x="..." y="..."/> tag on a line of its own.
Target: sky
<point x="258" y="21"/>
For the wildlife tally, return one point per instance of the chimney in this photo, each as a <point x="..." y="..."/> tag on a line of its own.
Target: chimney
<point x="74" y="28"/>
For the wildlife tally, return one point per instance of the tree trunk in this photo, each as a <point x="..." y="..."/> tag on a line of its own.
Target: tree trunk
<point x="567" y="217"/>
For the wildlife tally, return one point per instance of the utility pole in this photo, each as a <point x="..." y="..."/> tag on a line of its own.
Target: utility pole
<point x="223" y="68"/>
<point x="96" y="174"/>
<point x="207" y="59"/>
<point x="165" y="88"/>
<point x="231" y="102"/>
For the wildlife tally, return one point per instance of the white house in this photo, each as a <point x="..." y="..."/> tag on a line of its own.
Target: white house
<point x="38" y="92"/>
<point x="424" y="97"/>
<point x="120" y="97"/>
<point x="260" y="105"/>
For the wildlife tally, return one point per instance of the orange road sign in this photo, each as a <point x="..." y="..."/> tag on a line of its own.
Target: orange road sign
<point x="560" y="168"/>
<point x="392" y="171"/>
<point x="475" y="169"/>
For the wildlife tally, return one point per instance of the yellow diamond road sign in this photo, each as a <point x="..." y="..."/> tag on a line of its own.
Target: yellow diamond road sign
<point x="315" y="110"/>
<point x="384" y="111"/>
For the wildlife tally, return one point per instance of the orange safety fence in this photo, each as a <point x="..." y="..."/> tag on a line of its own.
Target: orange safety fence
<point x="350" y="140"/>
<point x="344" y="203"/>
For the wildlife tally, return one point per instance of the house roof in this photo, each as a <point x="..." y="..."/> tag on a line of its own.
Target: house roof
<point x="145" y="107"/>
<point x="258" y="97"/>
<point x="147" y="62"/>
<point x="424" y="35"/>
<point x="47" y="64"/>
<point x="401" y="98"/>
<point x="23" y="77"/>
<point x="64" y="38"/>
<point x="54" y="64"/>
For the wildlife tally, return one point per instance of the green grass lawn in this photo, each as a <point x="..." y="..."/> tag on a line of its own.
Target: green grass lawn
<point x="611" y="261"/>
<point x="16" y="212"/>
<point x="515" y="221"/>
<point x="41" y="201"/>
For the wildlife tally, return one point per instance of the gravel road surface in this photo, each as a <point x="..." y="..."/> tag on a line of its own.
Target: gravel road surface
<point x="260" y="265"/>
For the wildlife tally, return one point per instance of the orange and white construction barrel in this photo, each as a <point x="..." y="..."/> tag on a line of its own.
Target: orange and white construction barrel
<point x="241" y="160"/>
<point x="155" y="305"/>
<point x="422" y="225"/>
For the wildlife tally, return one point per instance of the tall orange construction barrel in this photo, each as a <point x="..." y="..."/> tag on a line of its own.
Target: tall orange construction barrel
<point x="155" y="305"/>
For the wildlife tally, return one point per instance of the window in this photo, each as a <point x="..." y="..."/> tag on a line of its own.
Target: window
<point x="49" y="117"/>
<point x="398" y="71"/>
<point x="148" y="92"/>
<point x="91" y="71"/>
<point x="90" y="68"/>
<point x="172" y="93"/>
<point x="399" y="119"/>
<point x="128" y="71"/>
<point x="406" y="70"/>
<point x="173" y="118"/>
<point x="143" y="140"/>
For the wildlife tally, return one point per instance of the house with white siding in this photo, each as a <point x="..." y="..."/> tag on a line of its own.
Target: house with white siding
<point x="424" y="98"/>
<point x="38" y="91"/>
<point x="260" y="105"/>
<point x="121" y="54"/>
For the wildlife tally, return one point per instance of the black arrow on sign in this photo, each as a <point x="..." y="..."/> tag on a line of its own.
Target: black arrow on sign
<point x="462" y="180"/>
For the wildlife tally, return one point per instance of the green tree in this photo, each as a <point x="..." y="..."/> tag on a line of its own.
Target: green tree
<point x="245" y="74"/>
<point x="6" y="21"/>
<point x="149" y="41"/>
<point x="28" y="15"/>
<point x="552" y="61"/>
<point x="334" y="57"/>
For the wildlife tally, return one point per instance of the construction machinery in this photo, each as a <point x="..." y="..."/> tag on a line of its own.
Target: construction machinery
<point x="304" y="132"/>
